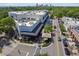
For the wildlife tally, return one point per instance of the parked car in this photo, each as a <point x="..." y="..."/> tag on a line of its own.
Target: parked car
<point x="65" y="39"/>
<point x="67" y="52"/>
<point x="65" y="42"/>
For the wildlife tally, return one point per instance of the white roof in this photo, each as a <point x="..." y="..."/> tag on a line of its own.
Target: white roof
<point x="33" y="16"/>
<point x="71" y="43"/>
<point x="30" y="23"/>
<point x="40" y="13"/>
<point x="36" y="12"/>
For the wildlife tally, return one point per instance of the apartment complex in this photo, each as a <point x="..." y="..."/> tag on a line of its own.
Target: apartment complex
<point x="29" y="23"/>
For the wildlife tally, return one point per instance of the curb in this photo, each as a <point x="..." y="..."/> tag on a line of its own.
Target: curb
<point x="47" y="46"/>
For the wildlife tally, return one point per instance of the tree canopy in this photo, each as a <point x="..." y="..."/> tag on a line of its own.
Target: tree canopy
<point x="7" y="23"/>
<point x="66" y="11"/>
<point x="48" y="28"/>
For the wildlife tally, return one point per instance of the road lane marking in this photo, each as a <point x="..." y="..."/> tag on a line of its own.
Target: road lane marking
<point x="57" y="47"/>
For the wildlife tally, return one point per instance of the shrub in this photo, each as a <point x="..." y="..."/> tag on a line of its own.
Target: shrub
<point x="62" y="28"/>
<point x="48" y="28"/>
<point x="42" y="54"/>
<point x="0" y="50"/>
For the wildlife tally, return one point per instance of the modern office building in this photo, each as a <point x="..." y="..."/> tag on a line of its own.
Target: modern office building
<point x="29" y="23"/>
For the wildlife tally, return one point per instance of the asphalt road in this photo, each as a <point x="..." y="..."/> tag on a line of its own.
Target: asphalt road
<point x="22" y="50"/>
<point x="59" y="48"/>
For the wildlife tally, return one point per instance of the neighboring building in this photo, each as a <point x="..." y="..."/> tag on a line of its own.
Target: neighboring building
<point x="29" y="23"/>
<point x="70" y="22"/>
<point x="72" y="25"/>
<point x="75" y="33"/>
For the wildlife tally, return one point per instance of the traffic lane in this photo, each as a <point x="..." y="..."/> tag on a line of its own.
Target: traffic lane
<point x="61" y="53"/>
<point x="22" y="50"/>
<point x="61" y="49"/>
<point x="50" y="50"/>
<point x="55" y="45"/>
<point x="59" y="43"/>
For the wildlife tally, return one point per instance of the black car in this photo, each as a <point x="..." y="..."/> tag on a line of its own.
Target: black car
<point x="67" y="52"/>
<point x="59" y="39"/>
<point x="65" y="43"/>
<point x="65" y="39"/>
<point x="53" y="34"/>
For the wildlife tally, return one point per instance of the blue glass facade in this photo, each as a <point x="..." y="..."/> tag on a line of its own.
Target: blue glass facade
<point x="30" y="30"/>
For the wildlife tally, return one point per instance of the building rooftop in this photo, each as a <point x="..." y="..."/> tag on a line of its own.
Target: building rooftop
<point x="31" y="17"/>
<point x="70" y="22"/>
<point x="33" y="12"/>
<point x="29" y="22"/>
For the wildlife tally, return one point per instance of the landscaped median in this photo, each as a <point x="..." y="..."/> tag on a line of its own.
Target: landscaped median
<point x="62" y="28"/>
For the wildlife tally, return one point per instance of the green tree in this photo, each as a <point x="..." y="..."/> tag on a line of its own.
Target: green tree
<point x="48" y="28"/>
<point x="62" y="28"/>
<point x="7" y="24"/>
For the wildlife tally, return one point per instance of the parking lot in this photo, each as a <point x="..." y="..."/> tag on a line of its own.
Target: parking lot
<point x="22" y="50"/>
